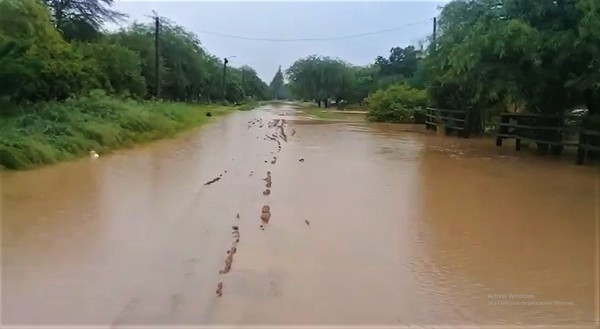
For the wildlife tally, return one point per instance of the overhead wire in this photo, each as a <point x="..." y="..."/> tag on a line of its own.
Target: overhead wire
<point x="315" y="39"/>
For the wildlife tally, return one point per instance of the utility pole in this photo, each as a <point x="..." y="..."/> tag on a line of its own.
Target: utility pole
<point x="156" y="56"/>
<point x="243" y="83"/>
<point x="434" y="34"/>
<point x="225" y="61"/>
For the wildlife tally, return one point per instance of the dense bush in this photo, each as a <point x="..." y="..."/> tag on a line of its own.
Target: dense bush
<point x="116" y="69"/>
<point x="397" y="103"/>
<point x="35" y="62"/>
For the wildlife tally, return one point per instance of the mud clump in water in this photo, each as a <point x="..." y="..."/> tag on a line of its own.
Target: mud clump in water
<point x="307" y="222"/>
<point x="237" y="216"/>
<point x="265" y="215"/>
<point x="282" y="134"/>
<point x="293" y="132"/>
<point x="228" y="263"/>
<point x="219" y="289"/>
<point x="268" y="180"/>
<point x="214" y="180"/>
<point x="267" y="192"/>
<point x="274" y="160"/>
<point x="231" y="251"/>
<point x="301" y="160"/>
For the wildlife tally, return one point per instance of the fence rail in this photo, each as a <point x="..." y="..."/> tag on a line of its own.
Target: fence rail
<point x="451" y="120"/>
<point x="547" y="132"/>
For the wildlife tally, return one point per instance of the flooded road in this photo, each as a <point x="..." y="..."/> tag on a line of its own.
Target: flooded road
<point x="337" y="223"/>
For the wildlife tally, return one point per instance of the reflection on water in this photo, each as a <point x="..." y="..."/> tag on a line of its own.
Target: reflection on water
<point x="405" y="228"/>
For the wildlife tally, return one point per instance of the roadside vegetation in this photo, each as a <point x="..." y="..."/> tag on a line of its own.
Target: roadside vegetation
<point x="57" y="131"/>
<point x="488" y="57"/>
<point x="68" y="87"/>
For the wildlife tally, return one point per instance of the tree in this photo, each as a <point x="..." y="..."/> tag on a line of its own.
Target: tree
<point x="35" y="62"/>
<point x="320" y="79"/>
<point x="492" y="54"/>
<point x="82" y="19"/>
<point x="253" y="86"/>
<point x="276" y="84"/>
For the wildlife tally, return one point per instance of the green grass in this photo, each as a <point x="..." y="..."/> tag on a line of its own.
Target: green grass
<point x="47" y="133"/>
<point x="318" y="112"/>
<point x="331" y="113"/>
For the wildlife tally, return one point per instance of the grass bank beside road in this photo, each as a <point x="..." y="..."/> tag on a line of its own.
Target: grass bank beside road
<point x="47" y="133"/>
<point x="332" y="113"/>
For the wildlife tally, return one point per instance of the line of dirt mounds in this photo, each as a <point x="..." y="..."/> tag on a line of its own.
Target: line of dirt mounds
<point x="255" y="122"/>
<point x="231" y="251"/>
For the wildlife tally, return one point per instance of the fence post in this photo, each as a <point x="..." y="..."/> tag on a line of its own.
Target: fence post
<point x="581" y="148"/>
<point x="501" y="129"/>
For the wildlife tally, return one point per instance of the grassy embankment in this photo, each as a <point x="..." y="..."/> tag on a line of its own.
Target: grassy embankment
<point x="332" y="113"/>
<point x="47" y="133"/>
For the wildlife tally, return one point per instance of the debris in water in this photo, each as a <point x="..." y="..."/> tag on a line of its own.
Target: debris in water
<point x="213" y="180"/>
<point x="267" y="192"/>
<point x="274" y="160"/>
<point x="237" y="216"/>
<point x="293" y="132"/>
<point x="228" y="262"/>
<point x="301" y="160"/>
<point x="219" y="289"/>
<point x="235" y="228"/>
<point x="307" y="222"/>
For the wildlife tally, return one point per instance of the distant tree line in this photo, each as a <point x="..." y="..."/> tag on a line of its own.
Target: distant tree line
<point x="55" y="49"/>
<point x="539" y="56"/>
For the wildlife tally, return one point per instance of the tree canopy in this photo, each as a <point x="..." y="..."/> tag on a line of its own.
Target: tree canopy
<point x="538" y="54"/>
<point x="39" y="60"/>
<point x="276" y="84"/>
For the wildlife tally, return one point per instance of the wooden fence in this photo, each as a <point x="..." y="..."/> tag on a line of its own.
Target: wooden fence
<point x="548" y="132"/>
<point x="451" y="120"/>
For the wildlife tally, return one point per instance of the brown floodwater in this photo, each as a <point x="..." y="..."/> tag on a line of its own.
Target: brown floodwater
<point x="364" y="224"/>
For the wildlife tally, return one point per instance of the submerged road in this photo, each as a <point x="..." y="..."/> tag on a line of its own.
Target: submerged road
<point x="363" y="224"/>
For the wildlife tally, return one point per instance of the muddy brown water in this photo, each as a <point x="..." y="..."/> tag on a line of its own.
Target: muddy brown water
<point x="406" y="228"/>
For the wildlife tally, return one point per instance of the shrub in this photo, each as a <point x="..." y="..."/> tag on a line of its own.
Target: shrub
<point x="396" y="103"/>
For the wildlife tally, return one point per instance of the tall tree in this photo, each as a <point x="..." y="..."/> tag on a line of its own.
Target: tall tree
<point x="321" y="78"/>
<point x="82" y="19"/>
<point x="276" y="84"/>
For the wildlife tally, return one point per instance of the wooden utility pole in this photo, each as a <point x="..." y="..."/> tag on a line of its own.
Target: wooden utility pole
<point x="225" y="61"/>
<point x="243" y="83"/>
<point x="156" y="56"/>
<point x="434" y="33"/>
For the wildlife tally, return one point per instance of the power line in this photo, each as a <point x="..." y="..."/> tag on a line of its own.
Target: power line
<point x="316" y="39"/>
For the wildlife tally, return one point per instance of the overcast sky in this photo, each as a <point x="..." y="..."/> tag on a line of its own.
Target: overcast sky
<point x="294" y="20"/>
